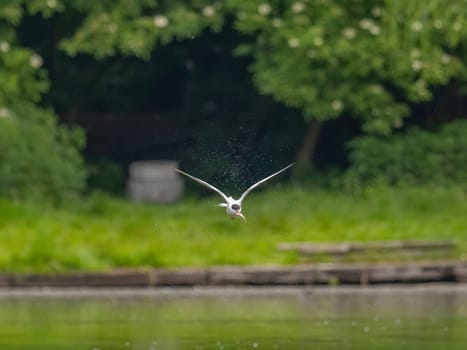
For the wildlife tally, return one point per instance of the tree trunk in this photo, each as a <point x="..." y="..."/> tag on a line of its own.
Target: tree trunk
<point x="306" y="153"/>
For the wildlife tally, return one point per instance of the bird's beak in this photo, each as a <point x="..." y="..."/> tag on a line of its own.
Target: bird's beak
<point x="241" y="215"/>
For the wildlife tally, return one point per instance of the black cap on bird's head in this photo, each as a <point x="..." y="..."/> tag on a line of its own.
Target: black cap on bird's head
<point x="235" y="207"/>
<point x="237" y="210"/>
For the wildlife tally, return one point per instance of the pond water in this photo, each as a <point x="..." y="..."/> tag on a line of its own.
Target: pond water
<point x="265" y="318"/>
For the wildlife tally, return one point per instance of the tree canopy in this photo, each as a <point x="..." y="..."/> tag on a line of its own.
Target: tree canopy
<point x="38" y="157"/>
<point x="368" y="60"/>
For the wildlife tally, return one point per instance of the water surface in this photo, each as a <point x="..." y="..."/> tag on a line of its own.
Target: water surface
<point x="271" y="318"/>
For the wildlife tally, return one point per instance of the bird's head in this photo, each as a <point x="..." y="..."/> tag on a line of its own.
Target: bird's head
<point x="237" y="210"/>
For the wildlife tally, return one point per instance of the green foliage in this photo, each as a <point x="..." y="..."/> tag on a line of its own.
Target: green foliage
<point x="370" y="59"/>
<point x="134" y="28"/>
<point x="105" y="175"/>
<point x="21" y="75"/>
<point x="38" y="158"/>
<point x="101" y="232"/>
<point x="414" y="157"/>
<point x="366" y="59"/>
<point x="23" y="79"/>
<point x="12" y="11"/>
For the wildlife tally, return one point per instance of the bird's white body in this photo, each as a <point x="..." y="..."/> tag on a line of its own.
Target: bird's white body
<point x="230" y="205"/>
<point x="233" y="206"/>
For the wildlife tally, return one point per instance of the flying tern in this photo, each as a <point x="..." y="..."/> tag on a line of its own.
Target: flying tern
<point x="233" y="206"/>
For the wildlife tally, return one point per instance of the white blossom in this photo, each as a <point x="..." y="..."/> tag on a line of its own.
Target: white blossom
<point x="293" y="42"/>
<point x="35" y="61"/>
<point x="161" y="21"/>
<point x="5" y="112"/>
<point x="209" y="11"/>
<point x="298" y="7"/>
<point x="52" y="3"/>
<point x="337" y="105"/>
<point x="438" y="24"/>
<point x="445" y="59"/>
<point x="417" y="26"/>
<point x="349" y="32"/>
<point x="318" y="41"/>
<point x="417" y="65"/>
<point x="370" y="25"/>
<point x="366" y="23"/>
<point x="377" y="11"/>
<point x="276" y="22"/>
<point x="4" y="46"/>
<point x="375" y="30"/>
<point x="264" y="9"/>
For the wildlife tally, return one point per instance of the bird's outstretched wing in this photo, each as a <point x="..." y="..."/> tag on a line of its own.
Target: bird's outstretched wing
<point x="204" y="183"/>
<point x="262" y="181"/>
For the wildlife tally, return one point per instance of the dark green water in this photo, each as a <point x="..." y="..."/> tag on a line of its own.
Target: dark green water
<point x="431" y="318"/>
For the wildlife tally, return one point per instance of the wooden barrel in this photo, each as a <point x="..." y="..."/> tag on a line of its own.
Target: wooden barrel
<point x="154" y="181"/>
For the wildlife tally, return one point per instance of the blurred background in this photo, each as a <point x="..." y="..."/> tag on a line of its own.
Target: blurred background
<point x="369" y="89"/>
<point x="368" y="98"/>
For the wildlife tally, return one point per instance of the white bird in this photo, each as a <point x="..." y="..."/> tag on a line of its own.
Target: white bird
<point x="233" y="206"/>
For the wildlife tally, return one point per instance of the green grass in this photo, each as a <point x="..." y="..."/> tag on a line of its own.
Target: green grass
<point x="100" y="232"/>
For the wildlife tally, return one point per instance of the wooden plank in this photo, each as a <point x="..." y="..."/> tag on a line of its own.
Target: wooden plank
<point x="261" y="275"/>
<point x="391" y="245"/>
<point x="311" y="248"/>
<point x="178" y="277"/>
<point x="116" y="278"/>
<point x="5" y="280"/>
<point x="460" y="273"/>
<point x="306" y="274"/>
<point x="308" y="248"/>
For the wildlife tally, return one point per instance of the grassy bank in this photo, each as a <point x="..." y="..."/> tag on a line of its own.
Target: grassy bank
<point x="101" y="232"/>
